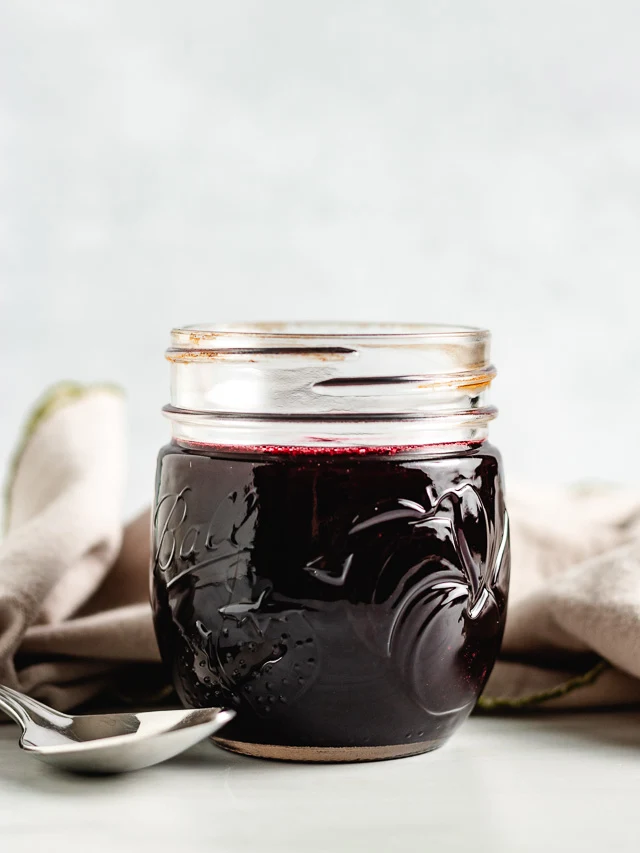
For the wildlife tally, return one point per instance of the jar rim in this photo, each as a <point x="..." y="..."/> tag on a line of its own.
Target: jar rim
<point x="329" y="382"/>
<point x="318" y="330"/>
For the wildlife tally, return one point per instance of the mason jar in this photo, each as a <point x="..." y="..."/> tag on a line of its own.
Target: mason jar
<point x="330" y="538"/>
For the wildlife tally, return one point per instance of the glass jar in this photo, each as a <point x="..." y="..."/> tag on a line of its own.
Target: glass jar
<point x="331" y="548"/>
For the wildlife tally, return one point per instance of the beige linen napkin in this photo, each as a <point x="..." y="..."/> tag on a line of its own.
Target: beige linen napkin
<point x="575" y="595"/>
<point x="73" y="584"/>
<point x="74" y="611"/>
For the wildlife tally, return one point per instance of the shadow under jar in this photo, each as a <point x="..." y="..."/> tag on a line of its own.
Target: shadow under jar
<point x="331" y="546"/>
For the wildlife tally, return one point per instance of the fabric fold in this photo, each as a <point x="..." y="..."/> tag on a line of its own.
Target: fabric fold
<point x="575" y="591"/>
<point x="73" y="604"/>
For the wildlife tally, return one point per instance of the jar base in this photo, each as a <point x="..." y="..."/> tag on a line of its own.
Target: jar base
<point x="326" y="754"/>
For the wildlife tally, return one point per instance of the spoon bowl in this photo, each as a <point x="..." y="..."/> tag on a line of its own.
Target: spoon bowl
<point x="107" y="743"/>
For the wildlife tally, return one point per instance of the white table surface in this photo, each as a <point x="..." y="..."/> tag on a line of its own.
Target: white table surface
<point x="552" y="783"/>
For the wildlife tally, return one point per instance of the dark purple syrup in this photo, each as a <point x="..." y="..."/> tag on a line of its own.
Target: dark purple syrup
<point x="332" y="598"/>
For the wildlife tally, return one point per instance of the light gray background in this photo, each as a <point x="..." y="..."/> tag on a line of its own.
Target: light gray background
<point x="474" y="162"/>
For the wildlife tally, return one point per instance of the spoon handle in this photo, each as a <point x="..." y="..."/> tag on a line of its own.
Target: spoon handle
<point x="24" y="710"/>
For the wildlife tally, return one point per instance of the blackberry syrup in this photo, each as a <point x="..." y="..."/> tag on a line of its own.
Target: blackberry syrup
<point x="348" y="604"/>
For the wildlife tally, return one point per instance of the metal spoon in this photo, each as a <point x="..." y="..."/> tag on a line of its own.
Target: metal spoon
<point x="107" y="743"/>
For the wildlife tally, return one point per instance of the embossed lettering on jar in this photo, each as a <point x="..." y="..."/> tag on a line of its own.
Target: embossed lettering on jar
<point x="331" y="548"/>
